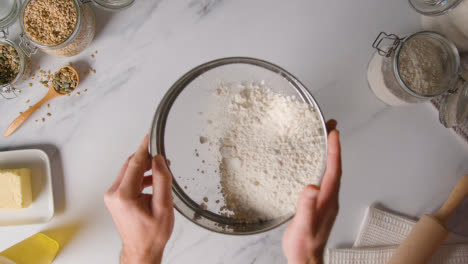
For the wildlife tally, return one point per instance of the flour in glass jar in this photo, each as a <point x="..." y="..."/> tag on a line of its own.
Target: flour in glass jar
<point x="422" y="66"/>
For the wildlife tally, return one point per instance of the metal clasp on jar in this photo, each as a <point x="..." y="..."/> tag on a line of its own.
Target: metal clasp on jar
<point x="460" y="83"/>
<point x="27" y="46"/>
<point x="386" y="50"/>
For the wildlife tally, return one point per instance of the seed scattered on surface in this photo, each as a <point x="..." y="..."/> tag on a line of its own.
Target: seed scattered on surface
<point x="70" y="63"/>
<point x="27" y="101"/>
<point x="92" y="56"/>
<point x="35" y="120"/>
<point x="21" y="113"/>
<point x="93" y="70"/>
<point x="77" y="93"/>
<point x="203" y="140"/>
<point x="43" y="119"/>
<point x="96" y="52"/>
<point x="85" y="90"/>
<point x="205" y="199"/>
<point x="203" y="206"/>
<point x="49" y="114"/>
<point x="48" y="105"/>
<point x="30" y="84"/>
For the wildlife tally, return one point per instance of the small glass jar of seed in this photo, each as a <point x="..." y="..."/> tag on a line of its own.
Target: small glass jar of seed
<point x="15" y="67"/>
<point x="67" y="30"/>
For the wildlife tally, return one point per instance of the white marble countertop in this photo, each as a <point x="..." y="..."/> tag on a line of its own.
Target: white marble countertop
<point x="401" y="158"/>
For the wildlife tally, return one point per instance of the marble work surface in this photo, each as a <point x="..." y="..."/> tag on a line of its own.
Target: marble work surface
<point x="401" y="158"/>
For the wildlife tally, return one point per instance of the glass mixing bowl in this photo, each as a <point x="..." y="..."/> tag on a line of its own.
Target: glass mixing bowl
<point x="176" y="132"/>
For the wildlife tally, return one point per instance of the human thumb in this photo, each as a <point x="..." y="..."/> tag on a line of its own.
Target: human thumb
<point x="306" y="209"/>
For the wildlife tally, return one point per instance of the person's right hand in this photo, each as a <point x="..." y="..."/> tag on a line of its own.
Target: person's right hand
<point x="305" y="238"/>
<point x="145" y="221"/>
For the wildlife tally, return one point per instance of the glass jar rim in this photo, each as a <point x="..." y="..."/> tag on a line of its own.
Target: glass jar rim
<point x="55" y="46"/>
<point x="21" y="56"/>
<point x="113" y="5"/>
<point x="453" y="106"/>
<point x="396" y="68"/>
<point x="10" y="18"/>
<point x="436" y="9"/>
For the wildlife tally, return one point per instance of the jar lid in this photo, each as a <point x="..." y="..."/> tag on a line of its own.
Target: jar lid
<point x="9" y="10"/>
<point x="113" y="4"/>
<point x="433" y="7"/>
<point x="454" y="106"/>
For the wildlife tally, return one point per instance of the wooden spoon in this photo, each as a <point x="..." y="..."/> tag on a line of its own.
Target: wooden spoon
<point x="51" y="94"/>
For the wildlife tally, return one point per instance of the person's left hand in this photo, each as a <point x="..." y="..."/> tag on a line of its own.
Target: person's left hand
<point x="144" y="221"/>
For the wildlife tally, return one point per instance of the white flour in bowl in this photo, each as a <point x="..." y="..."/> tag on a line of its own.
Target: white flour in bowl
<point x="269" y="147"/>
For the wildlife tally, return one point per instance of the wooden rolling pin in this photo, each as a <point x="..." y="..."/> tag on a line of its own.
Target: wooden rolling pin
<point x="429" y="233"/>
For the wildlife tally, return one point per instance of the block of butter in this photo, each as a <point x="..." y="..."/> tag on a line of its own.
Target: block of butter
<point x="15" y="188"/>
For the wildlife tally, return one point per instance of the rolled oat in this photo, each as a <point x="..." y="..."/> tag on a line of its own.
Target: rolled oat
<point x="50" y="22"/>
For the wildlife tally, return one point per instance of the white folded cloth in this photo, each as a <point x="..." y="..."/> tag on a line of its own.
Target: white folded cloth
<point x="380" y="234"/>
<point x="447" y="254"/>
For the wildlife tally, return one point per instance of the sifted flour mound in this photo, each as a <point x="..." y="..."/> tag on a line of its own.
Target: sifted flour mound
<point x="269" y="147"/>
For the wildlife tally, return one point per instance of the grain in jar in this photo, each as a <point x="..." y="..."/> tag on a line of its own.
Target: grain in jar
<point x="58" y="27"/>
<point x="15" y="67"/>
<point x="413" y="69"/>
<point x="9" y="63"/>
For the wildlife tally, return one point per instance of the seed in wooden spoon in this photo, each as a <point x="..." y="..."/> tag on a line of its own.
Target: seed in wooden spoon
<point x="65" y="81"/>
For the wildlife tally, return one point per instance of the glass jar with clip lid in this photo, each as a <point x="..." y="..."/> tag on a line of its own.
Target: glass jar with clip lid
<point x="15" y="64"/>
<point x="447" y="17"/>
<point x="74" y="18"/>
<point x="415" y="69"/>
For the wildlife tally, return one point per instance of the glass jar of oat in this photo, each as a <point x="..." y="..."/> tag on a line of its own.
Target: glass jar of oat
<point x="15" y="65"/>
<point x="413" y="69"/>
<point x="447" y="17"/>
<point x="59" y="27"/>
